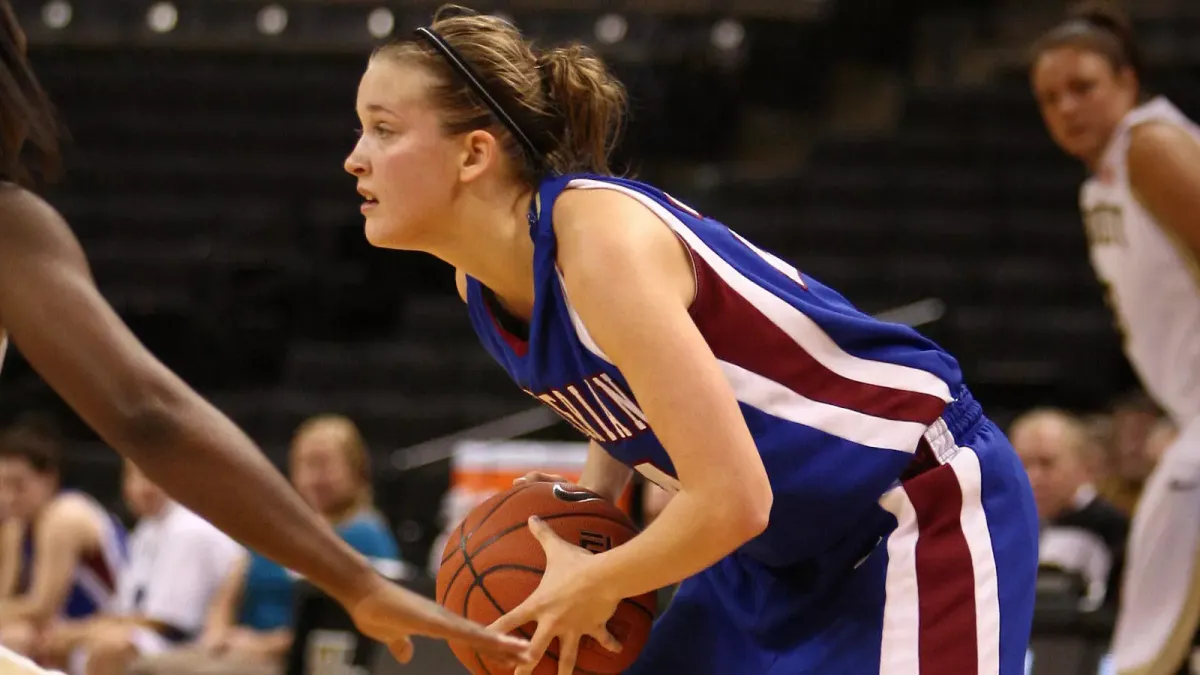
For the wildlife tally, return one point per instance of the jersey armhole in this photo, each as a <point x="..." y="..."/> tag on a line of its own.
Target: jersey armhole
<point x="697" y="286"/>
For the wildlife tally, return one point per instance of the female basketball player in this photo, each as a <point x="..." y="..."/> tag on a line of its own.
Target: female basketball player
<point x="841" y="503"/>
<point x="51" y="309"/>
<point x="1141" y="208"/>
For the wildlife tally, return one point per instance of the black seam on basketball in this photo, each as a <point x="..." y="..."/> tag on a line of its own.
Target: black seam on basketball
<point x="558" y="516"/>
<point x="643" y="609"/>
<point x="467" y="601"/>
<point x="464" y="536"/>
<point x="462" y="547"/>
<point x="482" y="664"/>
<point x="550" y="653"/>
<point x="501" y="534"/>
<point x="496" y="507"/>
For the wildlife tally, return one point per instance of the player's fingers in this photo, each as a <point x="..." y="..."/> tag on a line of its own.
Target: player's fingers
<point x="402" y="649"/>
<point x="606" y="640"/>
<point x="504" y="649"/>
<point x="545" y="535"/>
<point x="539" y="477"/>
<point x="537" y="648"/>
<point x="568" y="653"/>
<point x="516" y="617"/>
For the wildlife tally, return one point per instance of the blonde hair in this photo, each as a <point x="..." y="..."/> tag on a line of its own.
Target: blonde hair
<point x="354" y="451"/>
<point x="563" y="98"/>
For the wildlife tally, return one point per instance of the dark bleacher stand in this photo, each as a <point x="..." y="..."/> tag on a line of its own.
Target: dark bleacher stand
<point x="1067" y="640"/>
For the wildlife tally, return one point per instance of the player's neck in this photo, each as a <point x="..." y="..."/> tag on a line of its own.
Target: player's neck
<point x="495" y="248"/>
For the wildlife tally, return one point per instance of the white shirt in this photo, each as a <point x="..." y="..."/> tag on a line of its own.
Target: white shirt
<point x="1150" y="277"/>
<point x="177" y="561"/>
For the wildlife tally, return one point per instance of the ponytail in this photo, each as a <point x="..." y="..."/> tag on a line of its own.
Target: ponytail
<point x="588" y="106"/>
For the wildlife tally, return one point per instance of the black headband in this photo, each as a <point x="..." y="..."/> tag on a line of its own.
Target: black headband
<point x="464" y="69"/>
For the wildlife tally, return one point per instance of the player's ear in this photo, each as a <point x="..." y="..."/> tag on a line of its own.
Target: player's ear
<point x="479" y="151"/>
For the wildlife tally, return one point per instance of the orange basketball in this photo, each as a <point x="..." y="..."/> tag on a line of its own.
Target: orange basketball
<point x="492" y="563"/>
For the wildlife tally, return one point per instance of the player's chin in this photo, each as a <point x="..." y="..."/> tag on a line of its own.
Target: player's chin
<point x="382" y="231"/>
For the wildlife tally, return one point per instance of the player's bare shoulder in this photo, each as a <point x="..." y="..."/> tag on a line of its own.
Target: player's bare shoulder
<point x="28" y="224"/>
<point x="602" y="230"/>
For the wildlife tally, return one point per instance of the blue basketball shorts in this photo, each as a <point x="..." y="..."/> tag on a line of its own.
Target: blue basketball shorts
<point x="948" y="591"/>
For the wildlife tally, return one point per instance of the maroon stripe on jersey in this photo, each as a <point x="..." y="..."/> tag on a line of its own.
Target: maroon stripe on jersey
<point x="740" y="334"/>
<point x="947" y="639"/>
<point x="98" y="564"/>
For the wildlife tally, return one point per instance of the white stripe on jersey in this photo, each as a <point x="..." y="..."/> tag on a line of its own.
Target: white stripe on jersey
<point x="790" y="320"/>
<point x="777" y="399"/>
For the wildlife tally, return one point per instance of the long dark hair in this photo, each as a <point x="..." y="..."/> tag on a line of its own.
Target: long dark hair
<point x="29" y="132"/>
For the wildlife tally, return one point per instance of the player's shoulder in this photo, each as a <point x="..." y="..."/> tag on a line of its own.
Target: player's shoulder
<point x="72" y="511"/>
<point x="1157" y="135"/>
<point x="606" y="236"/>
<point x="592" y="223"/>
<point x="29" y="223"/>
<point x="20" y="207"/>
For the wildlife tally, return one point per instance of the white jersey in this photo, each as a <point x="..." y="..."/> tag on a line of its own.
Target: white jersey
<point x="1151" y="279"/>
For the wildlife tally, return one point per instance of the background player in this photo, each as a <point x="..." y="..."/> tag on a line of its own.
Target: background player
<point x="841" y="504"/>
<point x="1141" y="207"/>
<point x="51" y="309"/>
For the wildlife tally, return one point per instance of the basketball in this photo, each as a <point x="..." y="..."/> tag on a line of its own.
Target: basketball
<point x="492" y="562"/>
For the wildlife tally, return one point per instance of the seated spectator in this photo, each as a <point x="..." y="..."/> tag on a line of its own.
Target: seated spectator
<point x="1098" y="459"/>
<point x="177" y="561"/>
<point x="1161" y="436"/>
<point x="1133" y="417"/>
<point x="249" y="627"/>
<point x="1082" y="533"/>
<point x="60" y="551"/>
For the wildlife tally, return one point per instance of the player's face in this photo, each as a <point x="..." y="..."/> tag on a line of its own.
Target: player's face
<point x="1082" y="98"/>
<point x="24" y="490"/>
<point x="322" y="473"/>
<point x="404" y="162"/>
<point x="1055" y="472"/>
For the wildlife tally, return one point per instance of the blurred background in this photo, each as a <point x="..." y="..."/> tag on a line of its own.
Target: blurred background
<point x="891" y="149"/>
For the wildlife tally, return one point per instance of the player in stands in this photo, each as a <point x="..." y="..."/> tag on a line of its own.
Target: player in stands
<point x="1141" y="208"/>
<point x="61" y="552"/>
<point x="50" y="307"/>
<point x="841" y="504"/>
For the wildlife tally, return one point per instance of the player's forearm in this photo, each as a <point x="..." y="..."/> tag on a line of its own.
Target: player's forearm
<point x="23" y="608"/>
<point x="603" y="474"/>
<point x="692" y="533"/>
<point x="206" y="463"/>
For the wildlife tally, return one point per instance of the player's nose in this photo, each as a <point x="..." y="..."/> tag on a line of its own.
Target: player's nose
<point x="355" y="165"/>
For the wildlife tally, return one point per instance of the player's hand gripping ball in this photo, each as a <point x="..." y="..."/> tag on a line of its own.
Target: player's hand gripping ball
<point x="524" y="554"/>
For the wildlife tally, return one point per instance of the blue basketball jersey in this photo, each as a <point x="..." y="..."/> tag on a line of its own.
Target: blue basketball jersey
<point x="94" y="581"/>
<point x="836" y="400"/>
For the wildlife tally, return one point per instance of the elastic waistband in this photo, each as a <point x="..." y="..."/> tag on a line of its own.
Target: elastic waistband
<point x="961" y="418"/>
